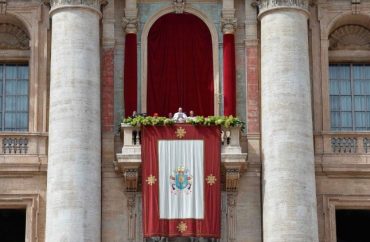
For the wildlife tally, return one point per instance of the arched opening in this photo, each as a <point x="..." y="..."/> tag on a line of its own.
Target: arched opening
<point x="180" y="65"/>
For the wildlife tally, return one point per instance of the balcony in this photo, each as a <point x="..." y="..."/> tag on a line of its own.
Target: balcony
<point x="343" y="154"/>
<point x="233" y="163"/>
<point x="23" y="152"/>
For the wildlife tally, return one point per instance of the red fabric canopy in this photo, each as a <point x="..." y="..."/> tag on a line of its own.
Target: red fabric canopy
<point x="180" y="66"/>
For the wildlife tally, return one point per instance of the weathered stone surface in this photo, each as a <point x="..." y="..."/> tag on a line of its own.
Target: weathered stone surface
<point x="74" y="172"/>
<point x="289" y="196"/>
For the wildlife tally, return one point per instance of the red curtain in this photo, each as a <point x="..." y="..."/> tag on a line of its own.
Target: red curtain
<point x="180" y="66"/>
<point x="210" y="225"/>
<point x="229" y="75"/>
<point x="130" y="75"/>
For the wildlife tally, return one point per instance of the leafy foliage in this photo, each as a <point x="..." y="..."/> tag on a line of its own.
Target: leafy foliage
<point x="226" y="121"/>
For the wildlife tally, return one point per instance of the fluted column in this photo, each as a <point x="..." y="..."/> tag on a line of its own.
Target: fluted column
<point x="73" y="206"/>
<point x="289" y="194"/>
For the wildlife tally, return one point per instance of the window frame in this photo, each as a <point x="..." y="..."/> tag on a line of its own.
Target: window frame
<point x="352" y="95"/>
<point x="3" y="95"/>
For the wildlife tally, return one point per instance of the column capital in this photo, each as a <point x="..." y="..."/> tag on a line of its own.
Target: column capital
<point x="268" y="5"/>
<point x="228" y="25"/>
<point x="130" y="24"/>
<point x="93" y="4"/>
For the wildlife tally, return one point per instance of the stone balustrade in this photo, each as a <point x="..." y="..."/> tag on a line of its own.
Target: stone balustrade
<point x="342" y="154"/>
<point x="23" y="152"/>
<point x="343" y="143"/>
<point x="23" y="143"/>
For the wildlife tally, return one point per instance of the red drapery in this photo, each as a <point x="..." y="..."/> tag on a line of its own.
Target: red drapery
<point x="210" y="225"/>
<point x="180" y="66"/>
<point x="130" y="74"/>
<point x="229" y="75"/>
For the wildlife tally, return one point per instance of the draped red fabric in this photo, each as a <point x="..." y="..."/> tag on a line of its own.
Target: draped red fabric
<point x="130" y="75"/>
<point x="229" y="75"/>
<point x="180" y="66"/>
<point x="153" y="225"/>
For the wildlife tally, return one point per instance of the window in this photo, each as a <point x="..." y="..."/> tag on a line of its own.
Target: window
<point x="14" y="97"/>
<point x="350" y="97"/>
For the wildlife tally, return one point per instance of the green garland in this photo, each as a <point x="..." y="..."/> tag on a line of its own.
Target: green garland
<point x="225" y="121"/>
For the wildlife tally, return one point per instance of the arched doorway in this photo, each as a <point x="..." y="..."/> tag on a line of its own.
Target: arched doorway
<point x="180" y="65"/>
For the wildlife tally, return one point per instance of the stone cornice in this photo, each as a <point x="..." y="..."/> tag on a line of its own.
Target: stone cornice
<point x="267" y="5"/>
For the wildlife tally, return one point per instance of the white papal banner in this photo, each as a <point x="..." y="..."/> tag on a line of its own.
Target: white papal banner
<point x="181" y="179"/>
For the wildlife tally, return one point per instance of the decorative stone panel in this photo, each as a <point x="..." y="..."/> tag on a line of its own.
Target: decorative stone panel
<point x="350" y="37"/>
<point x="13" y="37"/>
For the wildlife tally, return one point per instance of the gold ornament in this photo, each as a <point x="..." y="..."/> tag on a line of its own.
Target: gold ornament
<point x="182" y="227"/>
<point x="180" y="132"/>
<point x="151" y="180"/>
<point x="211" y="179"/>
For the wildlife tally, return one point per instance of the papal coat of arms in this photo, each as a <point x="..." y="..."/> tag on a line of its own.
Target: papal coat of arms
<point x="181" y="180"/>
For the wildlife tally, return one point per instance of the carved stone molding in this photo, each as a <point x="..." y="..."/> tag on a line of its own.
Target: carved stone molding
<point x="130" y="25"/>
<point x="179" y="6"/>
<point x="13" y="37"/>
<point x="350" y="37"/>
<point x="356" y="6"/>
<point x="231" y="216"/>
<point x="3" y="6"/>
<point x="229" y="25"/>
<point x="233" y="165"/>
<point x="88" y="3"/>
<point x="131" y="179"/>
<point x="232" y="176"/>
<point x="265" y="5"/>
<point x="131" y="205"/>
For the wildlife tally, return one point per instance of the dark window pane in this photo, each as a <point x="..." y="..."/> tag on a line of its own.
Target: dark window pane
<point x="11" y="87"/>
<point x="335" y="119"/>
<point x="360" y="103"/>
<point x="11" y="72"/>
<point x="346" y="119"/>
<point x="14" y="88"/>
<point x="13" y="225"/>
<point x="345" y="103"/>
<point x="353" y="225"/>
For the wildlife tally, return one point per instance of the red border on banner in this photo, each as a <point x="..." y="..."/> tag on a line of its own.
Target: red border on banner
<point x="210" y="225"/>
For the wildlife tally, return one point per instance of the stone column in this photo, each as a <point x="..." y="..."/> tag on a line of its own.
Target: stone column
<point x="73" y="206"/>
<point x="289" y="194"/>
<point x="228" y="22"/>
<point x="130" y="24"/>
